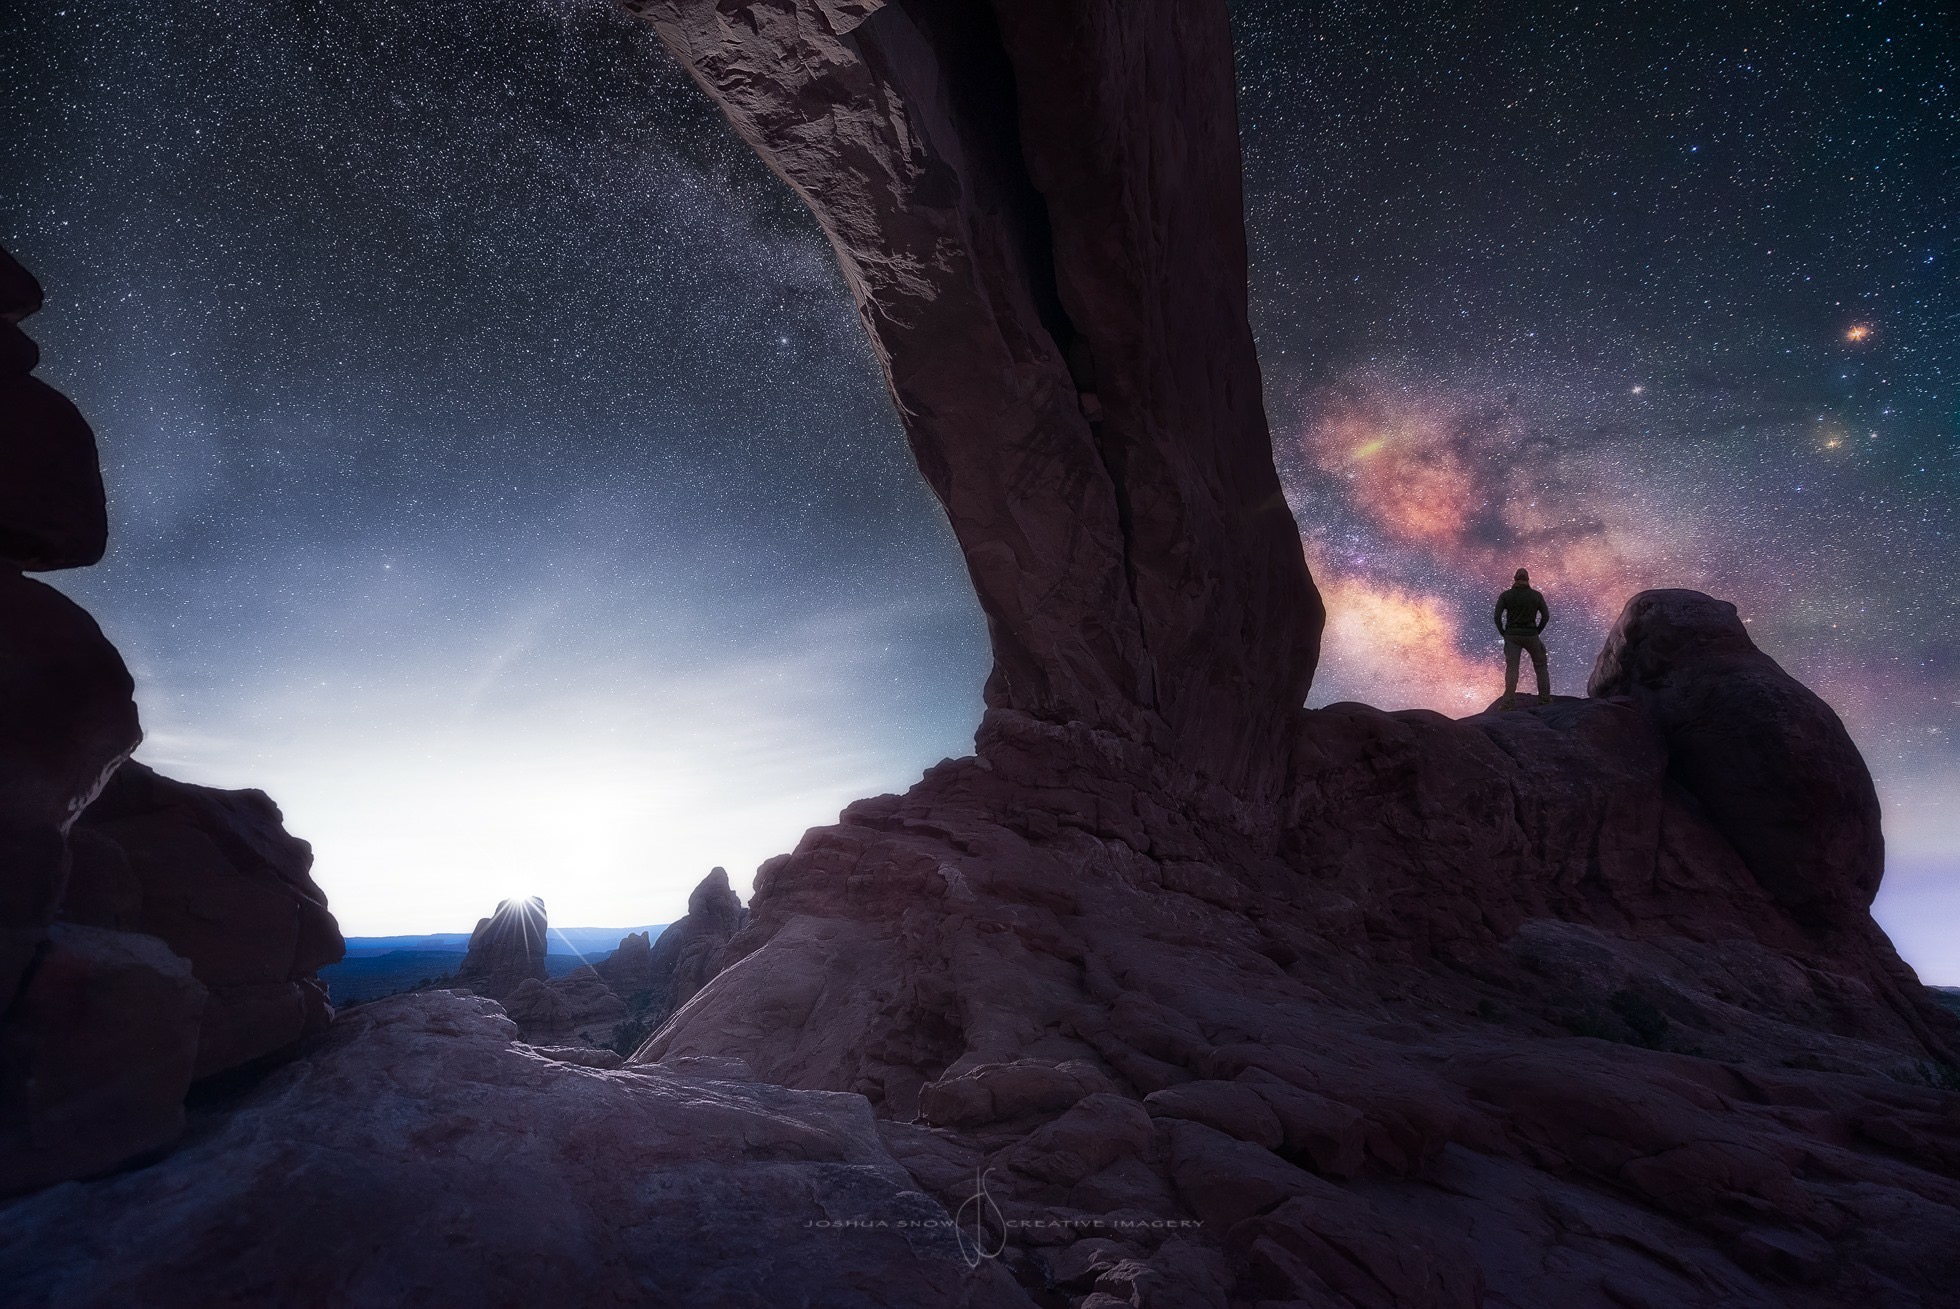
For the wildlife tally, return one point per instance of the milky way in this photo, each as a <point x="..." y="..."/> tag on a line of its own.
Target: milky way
<point x="1632" y="298"/>
<point x="502" y="479"/>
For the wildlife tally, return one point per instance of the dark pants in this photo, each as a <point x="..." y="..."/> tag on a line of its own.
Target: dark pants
<point x="1514" y="642"/>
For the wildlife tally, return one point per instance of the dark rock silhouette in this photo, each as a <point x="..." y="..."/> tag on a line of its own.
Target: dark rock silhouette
<point x="629" y="968"/>
<point x="52" y="510"/>
<point x="685" y="957"/>
<point x="1772" y="766"/>
<point x="506" y="949"/>
<point x="215" y="876"/>
<point x="1218" y="1001"/>
<point x="67" y="720"/>
<point x="151" y="933"/>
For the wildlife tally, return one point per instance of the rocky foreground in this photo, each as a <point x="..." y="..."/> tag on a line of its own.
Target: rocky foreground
<point x="1172" y="994"/>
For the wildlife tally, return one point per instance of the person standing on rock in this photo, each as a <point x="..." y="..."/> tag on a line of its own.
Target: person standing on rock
<point x="1520" y="616"/>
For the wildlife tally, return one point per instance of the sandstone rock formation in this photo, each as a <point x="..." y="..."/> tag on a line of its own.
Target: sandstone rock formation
<point x="216" y="877"/>
<point x="151" y="933"/>
<point x="1394" y="1008"/>
<point x="629" y="968"/>
<point x="507" y="949"/>
<point x="577" y="1009"/>
<point x="684" y="958"/>
<point x="631" y="991"/>
<point x="1771" y="764"/>
<point x="1037" y="207"/>
<point x="68" y="1103"/>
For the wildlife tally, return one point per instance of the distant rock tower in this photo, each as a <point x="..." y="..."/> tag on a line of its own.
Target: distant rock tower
<point x="506" y="949"/>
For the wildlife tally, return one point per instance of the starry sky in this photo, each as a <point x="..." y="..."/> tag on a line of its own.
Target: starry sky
<point x="501" y="479"/>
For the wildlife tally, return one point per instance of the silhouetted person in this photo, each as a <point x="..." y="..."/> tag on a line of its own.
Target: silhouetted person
<point x="1520" y="616"/>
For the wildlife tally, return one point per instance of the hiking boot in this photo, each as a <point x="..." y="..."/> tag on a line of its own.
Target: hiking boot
<point x="1544" y="699"/>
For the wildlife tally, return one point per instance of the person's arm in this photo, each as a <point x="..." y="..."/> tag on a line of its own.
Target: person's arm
<point x="1497" y="615"/>
<point x="1544" y="614"/>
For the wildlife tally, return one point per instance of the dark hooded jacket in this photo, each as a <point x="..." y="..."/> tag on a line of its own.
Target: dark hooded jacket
<point x="1521" y="609"/>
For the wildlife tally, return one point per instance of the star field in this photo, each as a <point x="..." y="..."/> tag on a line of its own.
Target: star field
<point x="493" y="447"/>
<point x="1632" y="297"/>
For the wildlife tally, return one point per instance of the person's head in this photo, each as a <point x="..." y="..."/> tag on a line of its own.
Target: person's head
<point x="1521" y="577"/>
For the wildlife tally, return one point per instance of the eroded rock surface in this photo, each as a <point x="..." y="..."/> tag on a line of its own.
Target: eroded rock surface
<point x="420" y="1157"/>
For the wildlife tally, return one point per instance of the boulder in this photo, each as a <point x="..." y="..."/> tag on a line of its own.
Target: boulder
<point x="1770" y="762"/>
<point x="99" y="1049"/>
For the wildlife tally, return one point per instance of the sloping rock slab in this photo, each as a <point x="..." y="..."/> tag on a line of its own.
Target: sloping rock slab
<point x="417" y="1157"/>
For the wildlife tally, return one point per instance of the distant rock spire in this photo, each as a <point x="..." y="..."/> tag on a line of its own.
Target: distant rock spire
<point x="506" y="949"/>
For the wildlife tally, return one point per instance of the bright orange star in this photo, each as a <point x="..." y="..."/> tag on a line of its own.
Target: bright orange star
<point x="1857" y="332"/>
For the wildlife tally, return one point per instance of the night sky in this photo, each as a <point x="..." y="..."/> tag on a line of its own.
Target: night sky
<point x="501" y="479"/>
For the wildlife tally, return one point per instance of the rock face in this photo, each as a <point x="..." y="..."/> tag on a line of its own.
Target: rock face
<point x="507" y="949"/>
<point x="687" y="953"/>
<point x="467" y="1170"/>
<point x="99" y="1049"/>
<point x="66" y="720"/>
<point x="97" y="1030"/>
<point x="216" y="877"/>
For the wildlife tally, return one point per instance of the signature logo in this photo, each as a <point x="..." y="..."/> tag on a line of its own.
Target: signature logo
<point x="980" y="1225"/>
